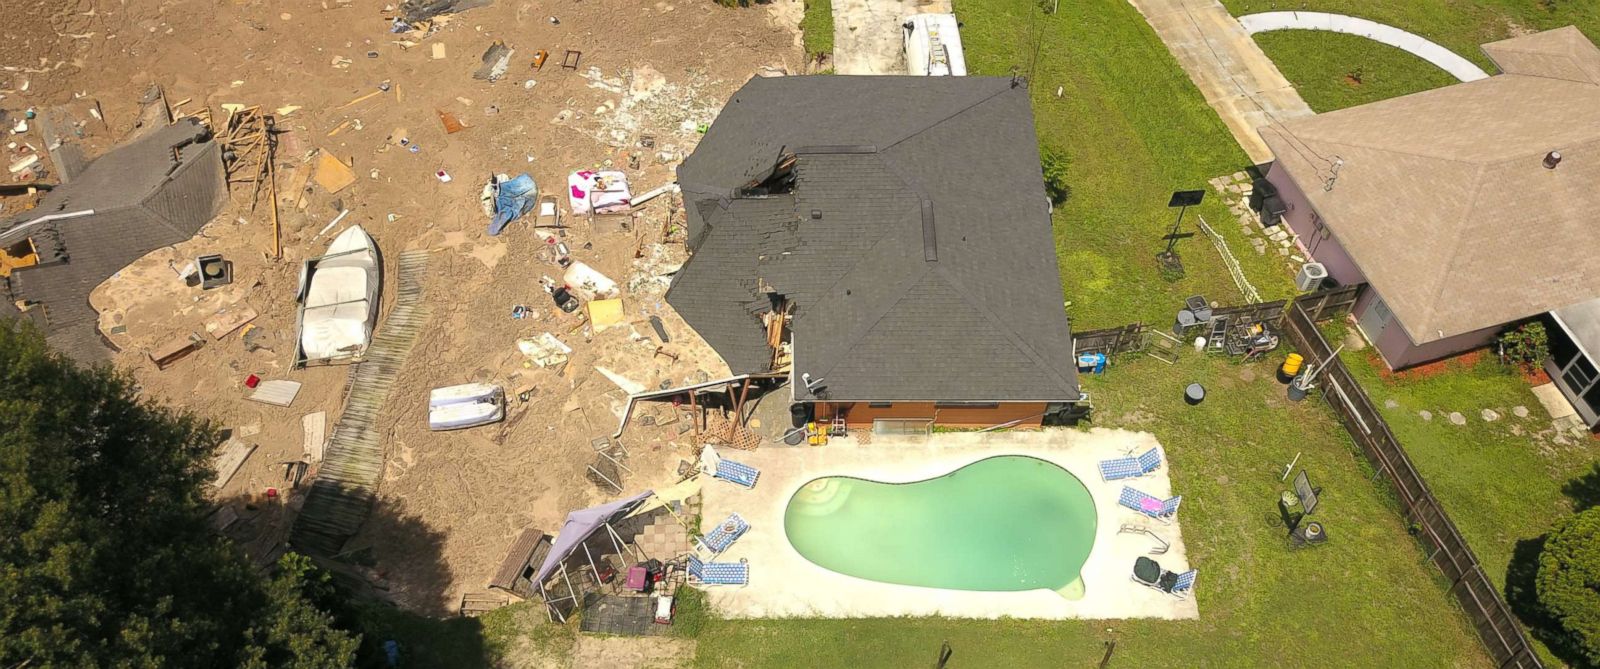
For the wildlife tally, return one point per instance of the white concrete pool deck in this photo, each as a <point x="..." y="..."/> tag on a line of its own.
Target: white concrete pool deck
<point x="785" y="584"/>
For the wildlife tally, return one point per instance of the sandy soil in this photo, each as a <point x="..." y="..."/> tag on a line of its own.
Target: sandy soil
<point x="450" y="502"/>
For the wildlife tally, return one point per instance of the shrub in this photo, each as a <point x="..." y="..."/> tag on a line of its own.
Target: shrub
<point x="1055" y="164"/>
<point x="1569" y="569"/>
<point x="1526" y="344"/>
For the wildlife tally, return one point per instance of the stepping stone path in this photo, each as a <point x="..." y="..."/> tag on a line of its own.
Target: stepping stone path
<point x="1426" y="414"/>
<point x="1391" y="404"/>
<point x="1520" y="411"/>
<point x="1490" y="415"/>
<point x="1457" y="418"/>
<point x="1235" y="190"/>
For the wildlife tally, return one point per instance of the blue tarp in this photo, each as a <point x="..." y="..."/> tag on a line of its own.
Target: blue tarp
<point x="512" y="199"/>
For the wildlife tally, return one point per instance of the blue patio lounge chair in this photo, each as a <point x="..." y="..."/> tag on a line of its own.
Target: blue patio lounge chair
<point x="723" y="535"/>
<point x="728" y="470"/>
<point x="1154" y="507"/>
<point x="1184" y="586"/>
<point x="737" y="472"/>
<point x="718" y="573"/>
<point x="1131" y="467"/>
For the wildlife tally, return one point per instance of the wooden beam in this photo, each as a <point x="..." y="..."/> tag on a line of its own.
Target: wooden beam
<point x="277" y="229"/>
<point x="694" y="418"/>
<point x="738" y="407"/>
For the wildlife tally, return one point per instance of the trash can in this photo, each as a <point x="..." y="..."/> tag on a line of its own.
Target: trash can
<point x="799" y="414"/>
<point x="1297" y="393"/>
<point x="1185" y="321"/>
<point x="1194" y="394"/>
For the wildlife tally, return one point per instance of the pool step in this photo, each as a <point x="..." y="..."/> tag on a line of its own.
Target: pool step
<point x="1139" y="529"/>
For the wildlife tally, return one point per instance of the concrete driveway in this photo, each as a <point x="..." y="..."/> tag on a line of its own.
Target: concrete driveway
<point x="866" y="33"/>
<point x="1235" y="76"/>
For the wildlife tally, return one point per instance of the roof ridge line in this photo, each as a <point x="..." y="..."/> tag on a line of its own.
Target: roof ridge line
<point x="942" y="121"/>
<point x="1413" y="154"/>
<point x="1455" y="251"/>
<point x="885" y="307"/>
<point x="1005" y="329"/>
<point x="871" y="249"/>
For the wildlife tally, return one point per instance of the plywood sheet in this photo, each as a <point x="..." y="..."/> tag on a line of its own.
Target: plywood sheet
<point x="223" y="324"/>
<point x="332" y="174"/>
<point x="229" y="459"/>
<point x="278" y="393"/>
<point x="315" y="428"/>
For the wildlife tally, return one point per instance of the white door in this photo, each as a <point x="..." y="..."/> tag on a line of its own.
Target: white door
<point x="1375" y="320"/>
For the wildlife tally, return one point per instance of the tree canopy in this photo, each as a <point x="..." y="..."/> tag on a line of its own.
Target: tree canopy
<point x="1569" y="581"/>
<point x="105" y="557"/>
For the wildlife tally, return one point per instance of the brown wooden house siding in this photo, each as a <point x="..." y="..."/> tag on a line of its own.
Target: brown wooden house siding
<point x="861" y="414"/>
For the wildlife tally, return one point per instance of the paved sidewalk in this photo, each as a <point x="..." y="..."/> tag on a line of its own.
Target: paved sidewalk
<point x="866" y="33"/>
<point x="1415" y="44"/>
<point x="1235" y="76"/>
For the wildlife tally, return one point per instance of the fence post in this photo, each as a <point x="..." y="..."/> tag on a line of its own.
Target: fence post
<point x="1385" y="453"/>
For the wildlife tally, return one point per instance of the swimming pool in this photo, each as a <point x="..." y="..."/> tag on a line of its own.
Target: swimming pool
<point x="1003" y="524"/>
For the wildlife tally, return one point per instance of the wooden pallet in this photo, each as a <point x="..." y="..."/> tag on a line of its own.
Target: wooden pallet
<point x="342" y="495"/>
<point x="474" y="604"/>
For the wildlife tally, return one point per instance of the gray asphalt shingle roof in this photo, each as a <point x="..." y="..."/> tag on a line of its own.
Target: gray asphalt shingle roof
<point x="143" y="199"/>
<point x="915" y="244"/>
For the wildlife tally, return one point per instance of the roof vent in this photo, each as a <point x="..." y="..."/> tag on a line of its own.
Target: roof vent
<point x="816" y="214"/>
<point x="930" y="242"/>
<point x="1552" y="159"/>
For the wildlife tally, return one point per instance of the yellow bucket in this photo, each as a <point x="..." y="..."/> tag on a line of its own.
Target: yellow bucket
<point x="1291" y="365"/>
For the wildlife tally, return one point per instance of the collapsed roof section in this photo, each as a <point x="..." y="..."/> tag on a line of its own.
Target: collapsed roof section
<point x="156" y="191"/>
<point x="905" y="222"/>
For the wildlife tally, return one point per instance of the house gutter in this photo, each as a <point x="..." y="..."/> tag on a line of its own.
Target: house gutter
<point x="16" y="233"/>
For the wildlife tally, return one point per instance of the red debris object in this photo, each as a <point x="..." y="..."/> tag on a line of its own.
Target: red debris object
<point x="272" y="493"/>
<point x="252" y="381"/>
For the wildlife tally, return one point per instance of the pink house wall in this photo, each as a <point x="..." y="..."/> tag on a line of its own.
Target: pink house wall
<point x="1398" y="351"/>
<point x="1393" y="344"/>
<point x="1301" y="219"/>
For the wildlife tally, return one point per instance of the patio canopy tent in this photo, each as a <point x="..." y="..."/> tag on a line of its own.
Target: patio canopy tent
<point x="573" y="544"/>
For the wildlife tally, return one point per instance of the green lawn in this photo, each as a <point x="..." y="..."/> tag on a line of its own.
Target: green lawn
<point x="1502" y="482"/>
<point x="1317" y="64"/>
<point x="1335" y="71"/>
<point x="816" y="27"/>
<point x="1135" y="129"/>
<point x="1358" y="599"/>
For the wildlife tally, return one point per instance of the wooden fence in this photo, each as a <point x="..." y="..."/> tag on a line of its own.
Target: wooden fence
<point x="1322" y="305"/>
<point x="1110" y="341"/>
<point x="1496" y="626"/>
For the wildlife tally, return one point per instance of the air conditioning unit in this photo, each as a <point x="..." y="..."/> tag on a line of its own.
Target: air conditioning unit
<point x="1310" y="277"/>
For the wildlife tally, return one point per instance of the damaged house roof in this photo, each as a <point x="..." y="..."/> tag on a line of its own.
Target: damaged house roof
<point x="913" y="241"/>
<point x="153" y="192"/>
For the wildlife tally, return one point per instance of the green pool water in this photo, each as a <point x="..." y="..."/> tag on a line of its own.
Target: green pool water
<point x="1002" y="524"/>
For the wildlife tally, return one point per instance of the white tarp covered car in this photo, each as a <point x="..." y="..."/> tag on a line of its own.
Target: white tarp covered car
<point x="933" y="46"/>
<point x="339" y="301"/>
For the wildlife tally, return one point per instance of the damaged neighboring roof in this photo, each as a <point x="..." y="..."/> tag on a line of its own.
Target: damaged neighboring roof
<point x="421" y="10"/>
<point x="153" y="192"/>
<point x="905" y="219"/>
